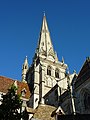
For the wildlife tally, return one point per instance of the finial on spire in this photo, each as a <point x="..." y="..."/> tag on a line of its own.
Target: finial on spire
<point x="68" y="71"/>
<point x="45" y="47"/>
<point x="24" y="69"/>
<point x="44" y="13"/>
<point x="26" y="57"/>
<point x="62" y="59"/>
<point x="56" y="57"/>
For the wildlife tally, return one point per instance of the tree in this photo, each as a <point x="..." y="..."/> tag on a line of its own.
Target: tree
<point x="11" y="105"/>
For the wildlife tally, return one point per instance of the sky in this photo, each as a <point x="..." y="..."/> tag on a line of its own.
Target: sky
<point x="20" y="23"/>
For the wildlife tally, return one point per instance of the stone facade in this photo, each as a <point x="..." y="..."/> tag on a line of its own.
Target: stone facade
<point x="76" y="100"/>
<point x="46" y="70"/>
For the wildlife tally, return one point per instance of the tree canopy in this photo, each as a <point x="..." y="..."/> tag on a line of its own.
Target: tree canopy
<point x="10" y="109"/>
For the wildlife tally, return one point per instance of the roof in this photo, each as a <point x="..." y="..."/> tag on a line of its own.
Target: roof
<point x="50" y="91"/>
<point x="84" y="73"/>
<point x="85" y="67"/>
<point x="30" y="110"/>
<point x="64" y="96"/>
<point x="43" y="112"/>
<point x="5" y="84"/>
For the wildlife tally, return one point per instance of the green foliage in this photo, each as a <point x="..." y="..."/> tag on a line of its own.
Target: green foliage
<point x="11" y="104"/>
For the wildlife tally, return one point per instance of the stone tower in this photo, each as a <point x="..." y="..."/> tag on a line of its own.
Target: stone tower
<point x="46" y="71"/>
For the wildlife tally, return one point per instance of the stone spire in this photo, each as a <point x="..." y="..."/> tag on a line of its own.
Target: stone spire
<point x="24" y="70"/>
<point x="45" y="47"/>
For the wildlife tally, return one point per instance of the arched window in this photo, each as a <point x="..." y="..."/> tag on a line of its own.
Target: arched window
<point x="49" y="70"/>
<point x="57" y="73"/>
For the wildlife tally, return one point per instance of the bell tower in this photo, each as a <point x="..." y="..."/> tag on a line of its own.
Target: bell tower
<point x="45" y="70"/>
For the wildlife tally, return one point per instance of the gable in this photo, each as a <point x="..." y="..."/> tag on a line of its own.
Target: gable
<point x="5" y="84"/>
<point x="84" y="68"/>
<point x="84" y="73"/>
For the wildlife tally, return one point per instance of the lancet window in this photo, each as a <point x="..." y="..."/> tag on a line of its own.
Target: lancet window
<point x="49" y="70"/>
<point x="57" y="73"/>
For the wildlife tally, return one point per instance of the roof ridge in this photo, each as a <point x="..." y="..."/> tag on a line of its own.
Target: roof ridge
<point x="7" y="77"/>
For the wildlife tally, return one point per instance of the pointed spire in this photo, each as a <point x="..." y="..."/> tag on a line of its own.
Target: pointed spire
<point x="56" y="57"/>
<point x="45" y="47"/>
<point x="24" y="69"/>
<point x="26" y="62"/>
<point x="44" y="27"/>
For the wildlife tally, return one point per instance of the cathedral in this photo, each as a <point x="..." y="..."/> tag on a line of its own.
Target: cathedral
<point x="46" y="70"/>
<point x="48" y="89"/>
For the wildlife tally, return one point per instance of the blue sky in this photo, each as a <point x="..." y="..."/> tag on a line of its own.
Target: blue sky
<point x="20" y="22"/>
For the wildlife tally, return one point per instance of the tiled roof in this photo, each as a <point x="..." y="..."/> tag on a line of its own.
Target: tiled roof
<point x="5" y="84"/>
<point x="43" y="112"/>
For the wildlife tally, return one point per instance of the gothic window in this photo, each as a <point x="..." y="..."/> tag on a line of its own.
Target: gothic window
<point x="87" y="100"/>
<point x="57" y="73"/>
<point x="37" y="61"/>
<point x="25" y="67"/>
<point x="49" y="70"/>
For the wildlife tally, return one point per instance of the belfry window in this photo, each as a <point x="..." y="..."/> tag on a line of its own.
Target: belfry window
<point x="49" y="70"/>
<point x="57" y="73"/>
